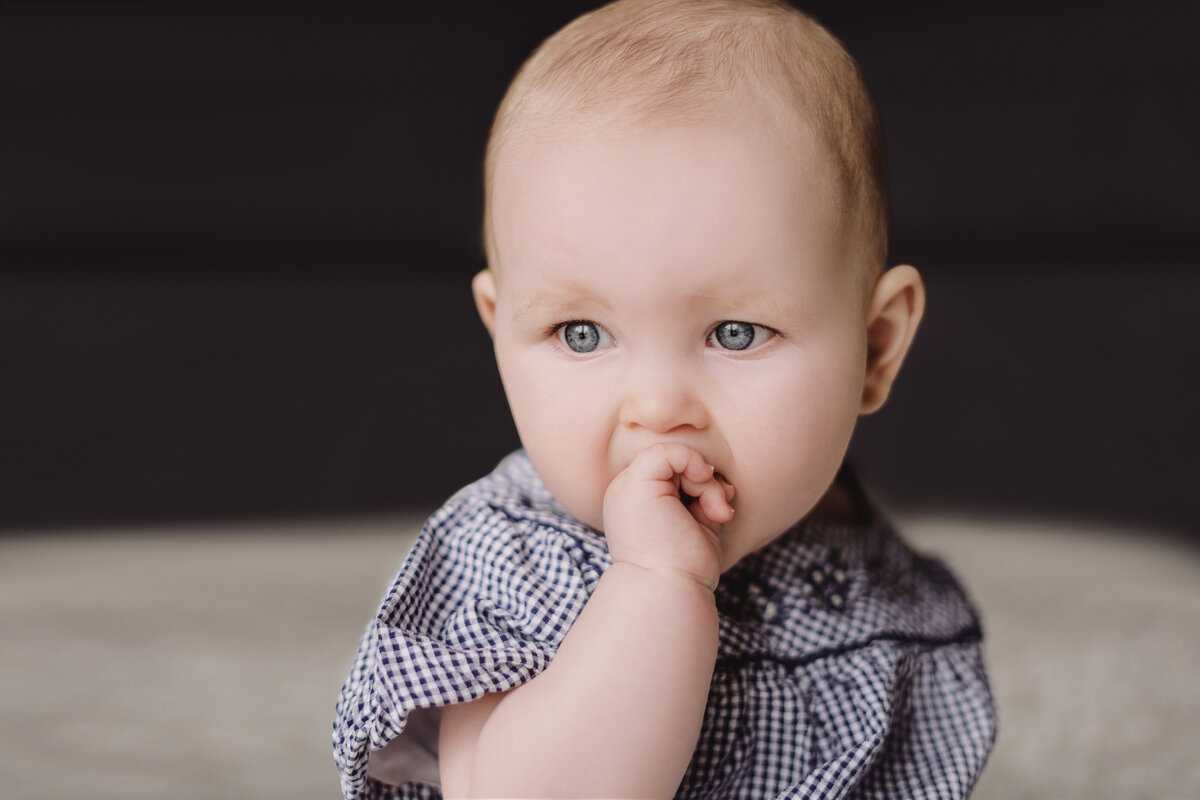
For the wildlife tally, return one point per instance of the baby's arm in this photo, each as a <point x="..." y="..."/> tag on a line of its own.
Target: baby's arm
<point x="618" y="711"/>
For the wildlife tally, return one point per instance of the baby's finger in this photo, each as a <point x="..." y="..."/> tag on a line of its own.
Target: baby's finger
<point x="730" y="492"/>
<point x="711" y="497"/>
<point x="666" y="460"/>
<point x="715" y="506"/>
<point x="711" y="527"/>
<point x="710" y="522"/>
<point x="689" y="465"/>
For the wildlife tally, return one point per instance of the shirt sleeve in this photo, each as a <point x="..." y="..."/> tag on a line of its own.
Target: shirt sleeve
<point x="480" y="605"/>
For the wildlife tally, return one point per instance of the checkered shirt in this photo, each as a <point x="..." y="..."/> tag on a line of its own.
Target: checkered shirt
<point x="848" y="665"/>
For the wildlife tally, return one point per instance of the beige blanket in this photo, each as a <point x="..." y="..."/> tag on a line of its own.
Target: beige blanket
<point x="205" y="662"/>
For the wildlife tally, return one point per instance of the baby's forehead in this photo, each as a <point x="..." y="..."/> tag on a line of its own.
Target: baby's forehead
<point x="625" y="119"/>
<point x="696" y="200"/>
<point x="734" y="141"/>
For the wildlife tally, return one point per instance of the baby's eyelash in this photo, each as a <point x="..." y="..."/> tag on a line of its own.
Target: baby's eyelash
<point x="766" y="328"/>
<point x="556" y="329"/>
<point x="582" y="336"/>
<point x="587" y="336"/>
<point x="760" y="335"/>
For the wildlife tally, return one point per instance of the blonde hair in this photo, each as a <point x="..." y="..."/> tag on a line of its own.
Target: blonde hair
<point x="683" y="58"/>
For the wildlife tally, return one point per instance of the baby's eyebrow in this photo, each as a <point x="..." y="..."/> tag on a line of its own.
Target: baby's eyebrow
<point x="755" y="304"/>
<point x="563" y="302"/>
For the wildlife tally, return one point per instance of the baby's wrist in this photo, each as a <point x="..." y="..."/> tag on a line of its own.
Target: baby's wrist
<point x="669" y="574"/>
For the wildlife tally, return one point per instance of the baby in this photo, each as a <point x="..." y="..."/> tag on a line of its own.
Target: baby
<point x="675" y="589"/>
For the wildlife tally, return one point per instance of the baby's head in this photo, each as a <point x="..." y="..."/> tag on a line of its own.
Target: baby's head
<point x="696" y="61"/>
<point x="686" y="228"/>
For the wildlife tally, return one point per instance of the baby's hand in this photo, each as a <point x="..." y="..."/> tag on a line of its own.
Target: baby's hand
<point x="646" y="523"/>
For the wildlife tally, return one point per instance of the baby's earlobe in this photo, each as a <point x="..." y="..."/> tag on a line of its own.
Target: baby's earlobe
<point x="483" y="287"/>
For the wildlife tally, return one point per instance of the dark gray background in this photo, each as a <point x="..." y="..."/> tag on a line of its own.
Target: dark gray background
<point x="236" y="241"/>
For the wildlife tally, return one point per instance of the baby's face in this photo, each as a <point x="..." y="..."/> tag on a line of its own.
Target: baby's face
<point x="683" y="283"/>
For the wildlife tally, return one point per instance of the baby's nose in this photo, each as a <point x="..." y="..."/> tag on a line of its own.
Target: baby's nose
<point x="661" y="401"/>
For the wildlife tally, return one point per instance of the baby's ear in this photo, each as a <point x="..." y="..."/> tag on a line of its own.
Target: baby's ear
<point x="893" y="314"/>
<point x="483" y="286"/>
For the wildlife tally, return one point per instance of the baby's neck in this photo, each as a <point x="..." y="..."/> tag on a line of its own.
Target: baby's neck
<point x="836" y="505"/>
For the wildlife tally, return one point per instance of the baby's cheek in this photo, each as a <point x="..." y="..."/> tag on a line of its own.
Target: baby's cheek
<point x="588" y="506"/>
<point x="794" y="450"/>
<point x="576" y="481"/>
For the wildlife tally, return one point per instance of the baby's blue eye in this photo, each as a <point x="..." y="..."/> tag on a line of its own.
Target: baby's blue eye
<point x="737" y="335"/>
<point x="583" y="336"/>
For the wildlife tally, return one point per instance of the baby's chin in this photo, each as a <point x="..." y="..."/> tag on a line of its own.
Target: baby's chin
<point x="748" y="532"/>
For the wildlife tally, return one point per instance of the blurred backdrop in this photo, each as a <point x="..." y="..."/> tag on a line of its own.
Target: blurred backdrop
<point x="236" y="240"/>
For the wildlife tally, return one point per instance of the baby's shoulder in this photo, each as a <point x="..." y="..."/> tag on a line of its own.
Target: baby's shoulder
<point x="495" y="549"/>
<point x="508" y="519"/>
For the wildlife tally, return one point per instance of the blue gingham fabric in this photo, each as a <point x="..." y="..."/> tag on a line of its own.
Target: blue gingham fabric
<point x="848" y="665"/>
